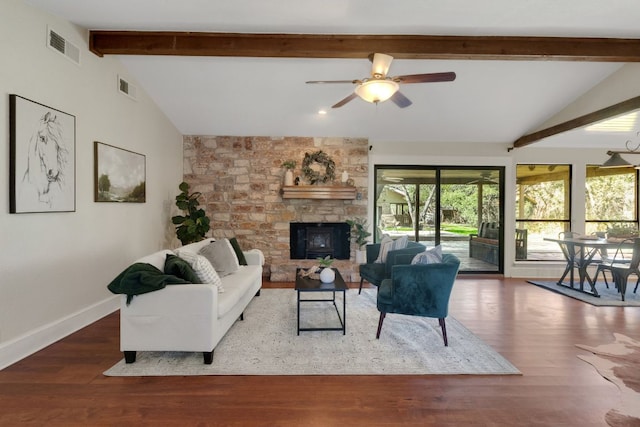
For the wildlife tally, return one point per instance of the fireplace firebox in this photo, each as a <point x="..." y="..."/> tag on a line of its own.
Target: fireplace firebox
<point x="311" y="240"/>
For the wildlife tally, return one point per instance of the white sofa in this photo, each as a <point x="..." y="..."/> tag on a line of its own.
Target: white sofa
<point x="191" y="317"/>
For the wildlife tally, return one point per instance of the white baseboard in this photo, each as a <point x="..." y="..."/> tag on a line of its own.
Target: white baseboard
<point x="25" y="345"/>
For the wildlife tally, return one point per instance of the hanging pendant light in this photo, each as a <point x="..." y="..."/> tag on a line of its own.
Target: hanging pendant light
<point x="615" y="161"/>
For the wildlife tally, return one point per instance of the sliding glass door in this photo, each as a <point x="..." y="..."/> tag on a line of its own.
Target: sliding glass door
<point x="458" y="208"/>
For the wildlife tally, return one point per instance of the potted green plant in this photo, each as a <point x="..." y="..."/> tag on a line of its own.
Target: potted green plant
<point x="194" y="224"/>
<point x="327" y="275"/>
<point x="360" y="233"/>
<point x="289" y="165"/>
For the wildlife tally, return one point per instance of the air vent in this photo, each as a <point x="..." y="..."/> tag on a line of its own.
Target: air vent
<point x="61" y="45"/>
<point x="126" y="88"/>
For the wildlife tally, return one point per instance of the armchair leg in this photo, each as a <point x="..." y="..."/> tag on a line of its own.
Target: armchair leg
<point x="444" y="331"/>
<point x="360" y="290"/>
<point x="208" y="357"/>
<point x="382" y="315"/>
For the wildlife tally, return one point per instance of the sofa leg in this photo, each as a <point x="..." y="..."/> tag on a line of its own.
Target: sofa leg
<point x="129" y="356"/>
<point x="444" y="331"/>
<point x="208" y="357"/>
<point x="382" y="315"/>
<point x="258" y="293"/>
<point x="242" y="316"/>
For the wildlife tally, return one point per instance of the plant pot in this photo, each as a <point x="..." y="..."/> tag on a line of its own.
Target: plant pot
<point x="361" y="256"/>
<point x="327" y="275"/>
<point x="288" y="177"/>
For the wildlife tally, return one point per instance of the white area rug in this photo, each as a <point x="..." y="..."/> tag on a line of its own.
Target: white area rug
<point x="265" y="343"/>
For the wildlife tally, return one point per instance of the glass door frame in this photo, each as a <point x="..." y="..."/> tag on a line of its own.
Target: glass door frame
<point x="500" y="170"/>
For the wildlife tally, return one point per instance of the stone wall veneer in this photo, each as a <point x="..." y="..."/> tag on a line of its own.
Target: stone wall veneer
<point x="240" y="179"/>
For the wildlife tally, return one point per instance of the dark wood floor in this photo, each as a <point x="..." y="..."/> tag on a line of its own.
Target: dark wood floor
<point x="534" y="329"/>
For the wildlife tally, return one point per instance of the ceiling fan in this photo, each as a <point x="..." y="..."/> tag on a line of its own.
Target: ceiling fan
<point x="380" y="87"/>
<point x="485" y="178"/>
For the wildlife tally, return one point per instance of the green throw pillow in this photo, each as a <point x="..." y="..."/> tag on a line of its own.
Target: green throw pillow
<point x="178" y="267"/>
<point x="236" y="248"/>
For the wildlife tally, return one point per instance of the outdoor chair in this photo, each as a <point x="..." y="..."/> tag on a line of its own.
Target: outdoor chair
<point x="419" y="290"/>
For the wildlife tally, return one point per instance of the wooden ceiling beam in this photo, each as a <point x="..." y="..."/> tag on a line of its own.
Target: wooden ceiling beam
<point x="360" y="46"/>
<point x="605" y="113"/>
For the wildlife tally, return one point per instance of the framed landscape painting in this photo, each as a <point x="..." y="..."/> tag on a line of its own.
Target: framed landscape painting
<point x="120" y="175"/>
<point x="42" y="152"/>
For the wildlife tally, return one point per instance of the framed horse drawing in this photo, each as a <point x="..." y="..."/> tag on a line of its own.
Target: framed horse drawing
<point x="42" y="142"/>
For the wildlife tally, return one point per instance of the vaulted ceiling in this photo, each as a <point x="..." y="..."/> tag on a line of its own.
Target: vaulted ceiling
<point x="505" y="88"/>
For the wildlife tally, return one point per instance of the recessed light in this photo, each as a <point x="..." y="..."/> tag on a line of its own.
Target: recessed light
<point x="322" y="112"/>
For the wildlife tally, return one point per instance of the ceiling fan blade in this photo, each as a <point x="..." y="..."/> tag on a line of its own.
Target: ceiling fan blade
<point x="426" y="78"/>
<point x="345" y="100"/>
<point x="400" y="100"/>
<point x="332" y="81"/>
<point x="381" y="64"/>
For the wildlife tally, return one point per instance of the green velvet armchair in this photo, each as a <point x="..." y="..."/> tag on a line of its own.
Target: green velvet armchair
<point x="419" y="290"/>
<point x="375" y="273"/>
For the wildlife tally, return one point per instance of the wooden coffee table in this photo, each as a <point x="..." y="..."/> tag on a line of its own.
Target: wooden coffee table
<point x="305" y="284"/>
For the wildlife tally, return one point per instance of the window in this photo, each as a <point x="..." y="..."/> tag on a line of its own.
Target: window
<point x="611" y="199"/>
<point x="543" y="208"/>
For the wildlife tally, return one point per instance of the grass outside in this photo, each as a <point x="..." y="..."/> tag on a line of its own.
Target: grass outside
<point x="451" y="228"/>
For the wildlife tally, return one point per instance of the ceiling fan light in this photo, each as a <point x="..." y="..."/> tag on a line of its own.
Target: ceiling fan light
<point x="376" y="90"/>
<point x="615" y="161"/>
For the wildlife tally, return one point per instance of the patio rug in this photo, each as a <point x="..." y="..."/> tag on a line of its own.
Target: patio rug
<point x="608" y="297"/>
<point x="619" y="362"/>
<point x="266" y="343"/>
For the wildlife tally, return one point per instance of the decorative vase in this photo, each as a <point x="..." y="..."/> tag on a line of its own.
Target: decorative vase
<point x="327" y="275"/>
<point x="361" y="257"/>
<point x="288" y="177"/>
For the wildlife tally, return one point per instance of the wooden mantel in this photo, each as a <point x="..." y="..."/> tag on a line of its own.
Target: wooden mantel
<point x="341" y="192"/>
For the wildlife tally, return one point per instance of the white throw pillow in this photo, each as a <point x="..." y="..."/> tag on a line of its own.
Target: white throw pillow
<point x="430" y="256"/>
<point x="400" y="243"/>
<point x="385" y="246"/>
<point x="202" y="267"/>
<point x="221" y="256"/>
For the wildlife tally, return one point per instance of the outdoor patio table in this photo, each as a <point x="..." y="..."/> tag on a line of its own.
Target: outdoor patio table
<point x="579" y="253"/>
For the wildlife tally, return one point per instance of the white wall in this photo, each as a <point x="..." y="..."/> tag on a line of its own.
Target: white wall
<point x="54" y="267"/>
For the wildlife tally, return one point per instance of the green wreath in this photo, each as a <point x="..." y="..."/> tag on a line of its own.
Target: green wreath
<point x="323" y="159"/>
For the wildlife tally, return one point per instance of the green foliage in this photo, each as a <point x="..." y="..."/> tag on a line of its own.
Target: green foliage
<point x="192" y="226"/>
<point x="326" y="261"/>
<point x="359" y="230"/>
<point x="138" y="193"/>
<point x="543" y="200"/>
<point x="622" y="231"/>
<point x="289" y="164"/>
<point x="603" y="204"/>
<point x="104" y="184"/>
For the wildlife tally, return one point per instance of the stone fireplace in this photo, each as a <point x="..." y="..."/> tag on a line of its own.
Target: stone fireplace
<point x="241" y="181"/>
